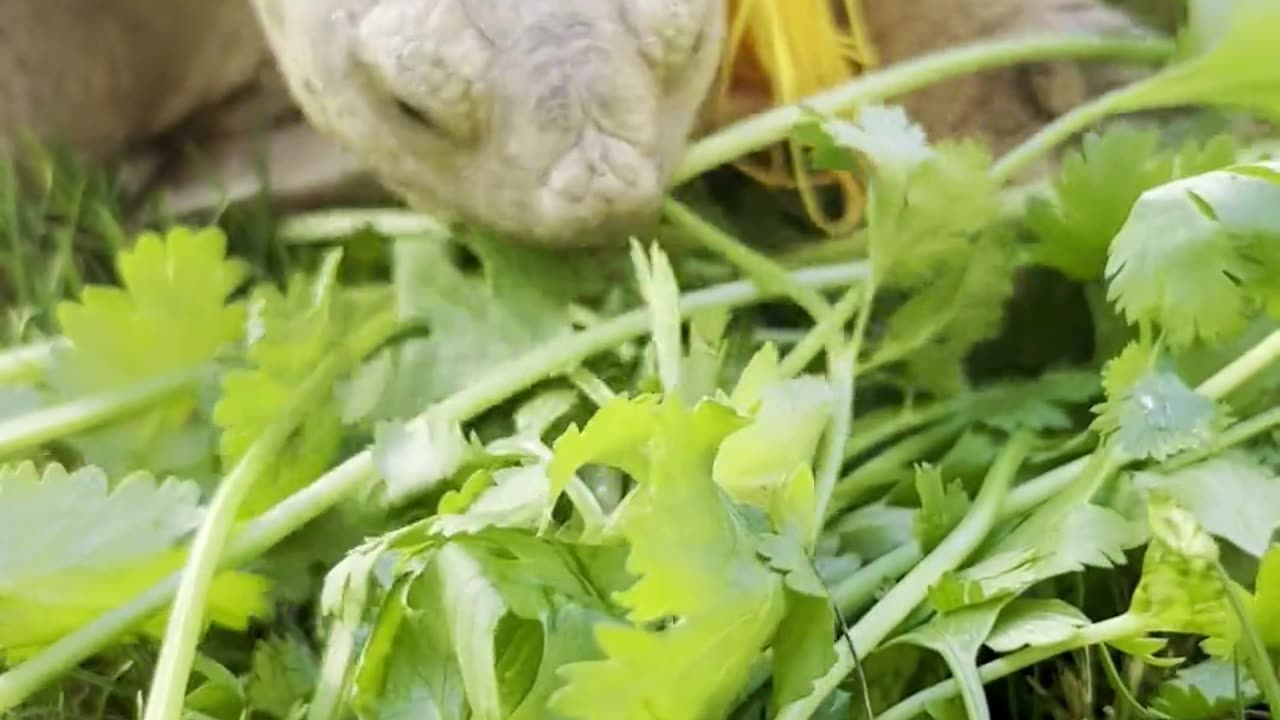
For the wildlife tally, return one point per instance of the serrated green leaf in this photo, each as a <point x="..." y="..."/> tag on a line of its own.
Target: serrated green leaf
<point x="695" y="563"/>
<point x="519" y="301"/>
<point x="1264" y="603"/>
<point x="1041" y="404"/>
<point x="1096" y="188"/>
<point x="1194" y="256"/>
<point x="170" y="314"/>
<point x="1150" y="412"/>
<point x="517" y="498"/>
<point x="942" y="507"/>
<point x="283" y="675"/>
<point x="754" y="463"/>
<point x="289" y="334"/>
<point x="661" y="293"/>
<point x="72" y="547"/>
<point x="1049" y="543"/>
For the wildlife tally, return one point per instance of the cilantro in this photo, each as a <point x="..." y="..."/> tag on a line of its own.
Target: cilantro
<point x="695" y="562"/>
<point x="289" y="334"/>
<point x="941" y="509"/>
<point x="1230" y="496"/>
<point x="1034" y="623"/>
<point x="73" y="546"/>
<point x="1150" y="411"/>
<point x="475" y="323"/>
<point x="1096" y="188"/>
<point x="283" y="675"/>
<point x="1180" y="590"/>
<point x="1194" y="259"/>
<point x="171" y="314"/>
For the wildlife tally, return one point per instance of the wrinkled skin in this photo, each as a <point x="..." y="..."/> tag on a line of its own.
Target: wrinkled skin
<point x="544" y="120"/>
<point x="552" y="121"/>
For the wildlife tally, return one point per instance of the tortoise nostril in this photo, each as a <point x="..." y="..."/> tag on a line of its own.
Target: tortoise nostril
<point x="416" y="115"/>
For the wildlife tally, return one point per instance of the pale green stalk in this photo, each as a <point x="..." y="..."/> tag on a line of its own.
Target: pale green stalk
<point x="321" y="226"/>
<point x="187" y="618"/>
<point x="32" y="429"/>
<point x="1062" y="129"/>
<point x="767" y="128"/>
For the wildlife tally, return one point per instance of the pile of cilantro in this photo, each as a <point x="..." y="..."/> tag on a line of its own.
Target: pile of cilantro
<point x="1006" y="451"/>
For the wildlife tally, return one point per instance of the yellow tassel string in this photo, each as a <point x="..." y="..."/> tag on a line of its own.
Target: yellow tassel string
<point x="780" y="51"/>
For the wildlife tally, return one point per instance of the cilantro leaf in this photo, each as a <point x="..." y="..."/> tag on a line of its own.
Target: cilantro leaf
<point x="941" y="508"/>
<point x="753" y="463"/>
<point x="1231" y="496"/>
<point x="1040" y="404"/>
<point x="407" y="668"/>
<point x="72" y="547"/>
<point x="519" y="301"/>
<point x="802" y="649"/>
<point x="414" y="457"/>
<point x="696" y="564"/>
<point x="283" y="675"/>
<point x="1149" y="411"/>
<point x="1096" y="188"/>
<point x="1026" y="622"/>
<point x="1194" y="256"/>
<point x="290" y="333"/>
<point x="661" y="294"/>
<point x="1264" y="605"/>
<point x="961" y="306"/>
<point x="517" y="497"/>
<point x="1050" y="542"/>
<point x="1180" y="590"/>
<point x="171" y="314"/>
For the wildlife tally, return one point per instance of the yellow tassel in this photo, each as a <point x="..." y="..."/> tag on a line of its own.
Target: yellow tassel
<point x="778" y="52"/>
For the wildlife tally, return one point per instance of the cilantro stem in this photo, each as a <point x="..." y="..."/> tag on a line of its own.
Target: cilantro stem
<point x="187" y="618"/>
<point x="1238" y="433"/>
<point x="321" y="226"/>
<point x="767" y="128"/>
<point x="1062" y="129"/>
<point x="1116" y="628"/>
<point x="31" y="429"/>
<point x="1243" y="369"/>
<point x="261" y="533"/>
<point x="821" y="334"/>
<point x="897" y="604"/>
<point x="27" y="362"/>
<point x="759" y="267"/>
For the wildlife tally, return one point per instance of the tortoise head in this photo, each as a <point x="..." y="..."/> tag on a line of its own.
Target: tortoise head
<point x="550" y="121"/>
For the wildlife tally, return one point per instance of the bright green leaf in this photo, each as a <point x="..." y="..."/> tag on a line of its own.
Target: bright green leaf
<point x="171" y="314"/>
<point x="1194" y="256"/>
<point x="72" y="547"/>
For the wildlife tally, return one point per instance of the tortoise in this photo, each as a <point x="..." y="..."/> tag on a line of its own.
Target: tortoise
<point x="551" y="121"/>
